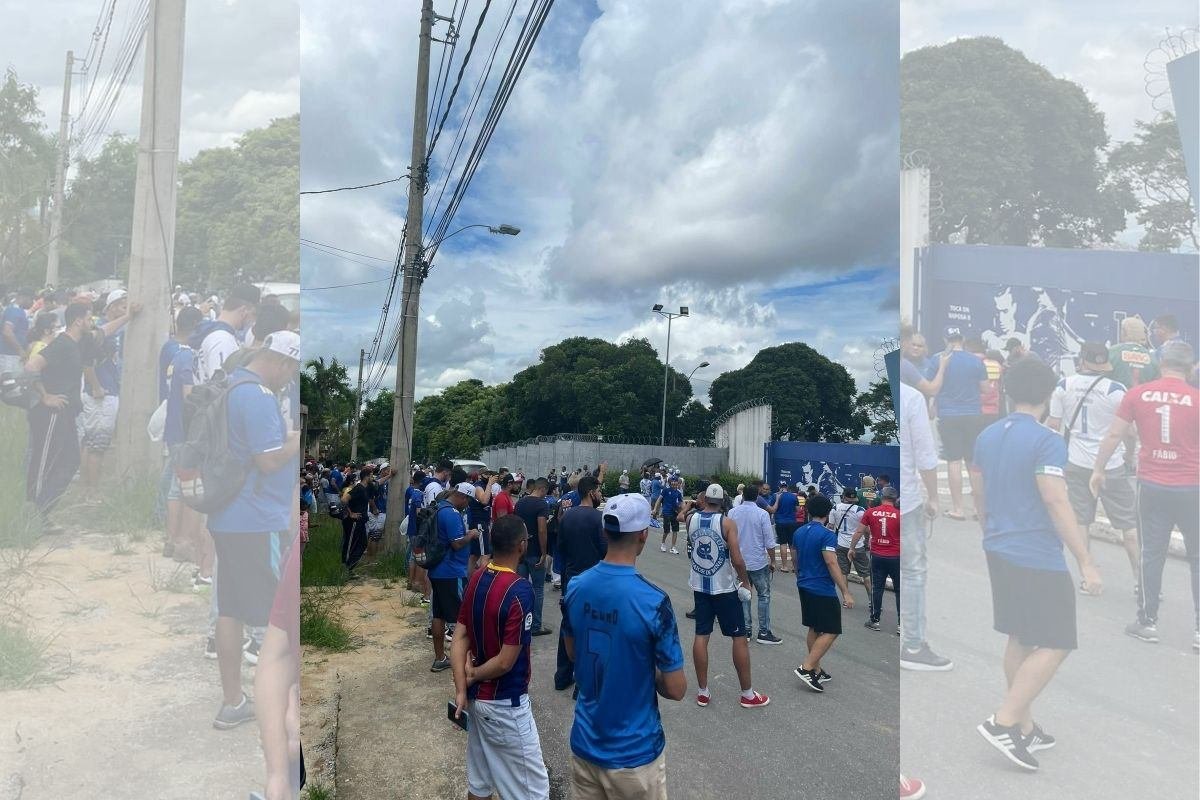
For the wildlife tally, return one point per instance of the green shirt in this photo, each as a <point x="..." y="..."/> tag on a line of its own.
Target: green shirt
<point x="1132" y="364"/>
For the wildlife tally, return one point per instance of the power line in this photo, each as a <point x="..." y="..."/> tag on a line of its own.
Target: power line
<point x="318" y="245"/>
<point x="350" y="188"/>
<point x="458" y="80"/>
<point x="343" y="285"/>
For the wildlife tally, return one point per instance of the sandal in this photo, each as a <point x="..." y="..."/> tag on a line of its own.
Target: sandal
<point x="955" y="515"/>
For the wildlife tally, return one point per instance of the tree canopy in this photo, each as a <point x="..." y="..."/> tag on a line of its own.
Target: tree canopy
<point x="1152" y="166"/>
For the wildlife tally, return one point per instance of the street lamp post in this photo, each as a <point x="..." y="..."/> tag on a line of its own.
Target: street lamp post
<point x="670" y="315"/>
<point x="699" y="366"/>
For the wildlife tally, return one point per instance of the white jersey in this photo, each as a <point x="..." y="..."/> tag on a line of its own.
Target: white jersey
<point x="1094" y="419"/>
<point x="216" y="347"/>
<point x="432" y="491"/>
<point x="844" y="520"/>
<point x="712" y="571"/>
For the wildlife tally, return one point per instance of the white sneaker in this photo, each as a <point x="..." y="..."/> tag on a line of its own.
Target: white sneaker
<point x="663" y="547"/>
<point x="674" y="552"/>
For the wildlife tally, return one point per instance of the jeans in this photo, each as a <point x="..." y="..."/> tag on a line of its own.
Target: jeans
<point x="536" y="576"/>
<point x="564" y="671"/>
<point x="913" y="568"/>
<point x="761" y="579"/>
<point x="1159" y="510"/>
<point x="882" y="568"/>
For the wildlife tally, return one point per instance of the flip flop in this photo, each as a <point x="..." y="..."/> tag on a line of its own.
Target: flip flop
<point x="955" y="515"/>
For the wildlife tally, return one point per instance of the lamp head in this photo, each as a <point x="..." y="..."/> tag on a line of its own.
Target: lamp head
<point x="683" y="311"/>
<point x="657" y="307"/>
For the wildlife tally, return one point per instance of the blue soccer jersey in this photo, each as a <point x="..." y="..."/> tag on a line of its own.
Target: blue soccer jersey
<point x="811" y="541"/>
<point x="624" y="629"/>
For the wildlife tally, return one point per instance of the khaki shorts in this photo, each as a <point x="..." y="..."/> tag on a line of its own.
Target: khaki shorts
<point x="647" y="782"/>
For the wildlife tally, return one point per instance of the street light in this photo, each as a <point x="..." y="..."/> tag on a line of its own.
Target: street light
<point x="699" y="366"/>
<point x="500" y="230"/>
<point x="683" y="312"/>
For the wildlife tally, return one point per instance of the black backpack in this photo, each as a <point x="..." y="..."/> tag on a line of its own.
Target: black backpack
<point x="210" y="476"/>
<point x="428" y="550"/>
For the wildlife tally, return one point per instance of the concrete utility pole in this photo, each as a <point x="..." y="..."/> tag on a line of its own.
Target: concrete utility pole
<point x="60" y="175"/>
<point x="153" y="239"/>
<point x="362" y="354"/>
<point x="414" y="274"/>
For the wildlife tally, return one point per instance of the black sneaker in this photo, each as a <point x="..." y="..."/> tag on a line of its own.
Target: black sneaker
<point x="440" y="665"/>
<point x="824" y="677"/>
<point x="210" y="648"/>
<point x="924" y="660"/>
<point x="766" y="637"/>
<point x="1038" y="739"/>
<point x="1146" y="631"/>
<point x="250" y="653"/>
<point x="542" y="632"/>
<point x="1009" y="741"/>
<point x="873" y="624"/>
<point x="810" y="679"/>
<point x="691" y="614"/>
<point x="429" y="632"/>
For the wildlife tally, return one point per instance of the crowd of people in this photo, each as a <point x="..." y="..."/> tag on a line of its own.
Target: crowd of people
<point x="1042" y="451"/>
<point x="234" y="358"/>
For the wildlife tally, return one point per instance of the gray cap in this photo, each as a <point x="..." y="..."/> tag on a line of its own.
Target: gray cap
<point x="1178" y="354"/>
<point x="889" y="493"/>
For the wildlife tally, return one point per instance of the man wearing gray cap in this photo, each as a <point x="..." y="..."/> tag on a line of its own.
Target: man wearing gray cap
<point x="1166" y="415"/>
<point x="883" y="524"/>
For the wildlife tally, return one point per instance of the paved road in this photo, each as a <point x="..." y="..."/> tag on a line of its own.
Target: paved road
<point x="1125" y="712"/>
<point x="840" y="744"/>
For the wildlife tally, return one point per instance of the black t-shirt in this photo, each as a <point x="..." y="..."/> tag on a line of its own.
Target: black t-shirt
<point x="581" y="542"/>
<point x="63" y="373"/>
<point x="531" y="509"/>
<point x="359" y="495"/>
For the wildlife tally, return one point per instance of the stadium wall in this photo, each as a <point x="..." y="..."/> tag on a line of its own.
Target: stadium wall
<point x="539" y="457"/>
<point x="831" y="466"/>
<point x="743" y="434"/>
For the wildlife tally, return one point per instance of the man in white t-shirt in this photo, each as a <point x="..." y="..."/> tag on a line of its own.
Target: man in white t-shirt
<point x="220" y="340"/>
<point x="845" y="519"/>
<point x="437" y="484"/>
<point x="1083" y="408"/>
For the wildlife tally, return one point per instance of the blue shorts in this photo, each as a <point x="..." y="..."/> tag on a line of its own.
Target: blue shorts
<point x="727" y="610"/>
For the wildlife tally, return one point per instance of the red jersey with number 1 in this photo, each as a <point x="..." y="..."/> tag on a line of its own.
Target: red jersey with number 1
<point x="1167" y="415"/>
<point x="884" y="522"/>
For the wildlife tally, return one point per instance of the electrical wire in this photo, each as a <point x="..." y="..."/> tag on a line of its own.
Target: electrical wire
<point x="458" y="80"/>
<point x="351" y="188"/>
<point x="321" y="247"/>
<point x="342" y="285"/>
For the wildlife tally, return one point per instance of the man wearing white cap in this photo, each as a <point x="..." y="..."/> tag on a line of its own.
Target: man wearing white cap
<point x="627" y="627"/>
<point x="720" y="586"/>
<point x="449" y="576"/>
<point x="103" y="378"/>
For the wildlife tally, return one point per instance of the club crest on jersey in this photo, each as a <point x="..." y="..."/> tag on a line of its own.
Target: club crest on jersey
<point x="708" y="554"/>
<point x="529" y="621"/>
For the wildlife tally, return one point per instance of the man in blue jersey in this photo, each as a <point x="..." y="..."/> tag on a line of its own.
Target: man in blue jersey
<point x="449" y="576"/>
<point x="1025" y="511"/>
<point x="620" y="631"/>
<point x="959" y="409"/>
<point x="656" y="487"/>
<point x="668" y="505"/>
<point x="785" y="505"/>
<point x="414" y="498"/>
<point x="819" y="578"/>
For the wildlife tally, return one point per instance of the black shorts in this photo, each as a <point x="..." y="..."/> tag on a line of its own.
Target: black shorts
<point x="483" y="545"/>
<point x="1036" y="606"/>
<point x="727" y="610"/>
<point x="820" y="612"/>
<point x="447" y="596"/>
<point x="958" y="436"/>
<point x="246" y="576"/>
<point x="784" y="531"/>
<point x="670" y="523"/>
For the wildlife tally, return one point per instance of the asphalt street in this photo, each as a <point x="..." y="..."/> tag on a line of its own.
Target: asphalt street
<point x="1124" y="712"/>
<point x="841" y="744"/>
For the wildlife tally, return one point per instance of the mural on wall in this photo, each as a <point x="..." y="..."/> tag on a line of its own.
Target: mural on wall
<point x="830" y="467"/>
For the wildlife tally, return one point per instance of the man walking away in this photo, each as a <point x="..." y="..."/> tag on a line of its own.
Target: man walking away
<point x="959" y="409"/>
<point x="535" y="513"/>
<point x="581" y="545"/>
<point x="626" y="626"/>
<point x="756" y="540"/>
<point x="883" y="525"/>
<point x="818" y="578"/>
<point x="449" y="576"/>
<point x="786" y="503"/>
<point x="1026" y="516"/>
<point x="668" y="505"/>
<point x="490" y="654"/>
<point x="1166" y="416"/>
<point x="719" y="587"/>
<point x="845" y="518"/>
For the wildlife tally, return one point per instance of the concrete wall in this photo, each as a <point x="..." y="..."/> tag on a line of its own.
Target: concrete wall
<point x="744" y="435"/>
<point x="538" y="458"/>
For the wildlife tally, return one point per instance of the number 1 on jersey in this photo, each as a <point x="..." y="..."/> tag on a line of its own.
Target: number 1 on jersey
<point x="1164" y="419"/>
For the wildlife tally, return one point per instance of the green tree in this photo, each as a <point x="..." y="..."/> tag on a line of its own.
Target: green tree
<point x="694" y="423"/>
<point x="454" y="422"/>
<point x="875" y="407"/>
<point x="325" y="389"/>
<point x="98" y="214"/>
<point x="1152" y="166"/>
<point x="26" y="177"/>
<point x="375" y="426"/>
<point x="811" y="397"/>
<point x="1017" y="150"/>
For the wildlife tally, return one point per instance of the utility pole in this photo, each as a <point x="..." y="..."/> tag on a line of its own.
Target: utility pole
<point x="666" y="371"/>
<point x="153" y="237"/>
<point x="60" y="175"/>
<point x="362" y="354"/>
<point x="414" y="274"/>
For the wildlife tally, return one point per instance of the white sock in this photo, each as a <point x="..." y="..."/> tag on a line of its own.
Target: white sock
<point x="748" y="694"/>
<point x="702" y="690"/>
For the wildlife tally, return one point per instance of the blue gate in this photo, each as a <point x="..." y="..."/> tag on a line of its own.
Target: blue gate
<point x="831" y="466"/>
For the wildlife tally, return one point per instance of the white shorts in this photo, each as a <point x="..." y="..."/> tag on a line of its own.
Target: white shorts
<point x="98" y="421"/>
<point x="504" y="753"/>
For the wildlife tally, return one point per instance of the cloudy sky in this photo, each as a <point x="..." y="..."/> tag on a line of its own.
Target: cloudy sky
<point x="738" y="157"/>
<point x="241" y="62"/>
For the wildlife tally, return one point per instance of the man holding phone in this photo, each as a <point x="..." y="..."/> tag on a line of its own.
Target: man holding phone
<point x="450" y="574"/>
<point x="490" y="655"/>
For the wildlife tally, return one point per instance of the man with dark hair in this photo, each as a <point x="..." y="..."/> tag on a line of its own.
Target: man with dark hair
<point x="535" y="512"/>
<point x="354" y="535"/>
<point x="1022" y="504"/>
<point x="959" y="409"/>
<point x="414" y="498"/>
<point x="818" y="579"/>
<point x="185" y="526"/>
<point x="756" y="538"/>
<point x="626" y="627"/>
<point x="581" y="545"/>
<point x="669" y="501"/>
<point x="438" y="483"/>
<point x="785" y="506"/>
<point x="14" y="328"/>
<point x="492" y="668"/>
<point x="216" y="341"/>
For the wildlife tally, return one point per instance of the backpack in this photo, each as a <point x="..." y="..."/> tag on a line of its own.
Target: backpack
<point x="16" y="389"/>
<point x="427" y="549"/>
<point x="210" y="477"/>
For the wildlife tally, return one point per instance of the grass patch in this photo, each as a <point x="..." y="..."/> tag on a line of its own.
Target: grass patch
<point x="321" y="622"/>
<point x="127" y="506"/>
<point x="389" y="567"/>
<point x="22" y="657"/>
<point x="20" y="525"/>
<point x="318" y="791"/>
<point x="322" y="563"/>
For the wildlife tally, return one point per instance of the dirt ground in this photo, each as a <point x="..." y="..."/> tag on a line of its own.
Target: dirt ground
<point x="127" y="703"/>
<point x="368" y="711"/>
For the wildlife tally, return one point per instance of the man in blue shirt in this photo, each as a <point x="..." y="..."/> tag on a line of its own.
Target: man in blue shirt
<point x="656" y="487"/>
<point x="959" y="412"/>
<point x="668" y="505"/>
<point x="337" y="479"/>
<point x="14" y="328"/>
<point x="414" y="498"/>
<point x="1023" y="506"/>
<point x="785" y="505"/>
<point x="819" y="578"/>
<point x="449" y="576"/>
<point x="184" y="525"/>
<point x="620" y="631"/>
<point x="245" y="533"/>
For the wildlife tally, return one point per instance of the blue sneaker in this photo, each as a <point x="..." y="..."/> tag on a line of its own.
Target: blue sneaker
<point x="655" y="523"/>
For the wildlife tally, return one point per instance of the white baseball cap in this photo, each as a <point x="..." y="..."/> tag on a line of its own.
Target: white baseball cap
<point x="465" y="488"/>
<point x="714" y="492"/>
<point x="627" y="513"/>
<point x="285" y="343"/>
<point x="114" y="296"/>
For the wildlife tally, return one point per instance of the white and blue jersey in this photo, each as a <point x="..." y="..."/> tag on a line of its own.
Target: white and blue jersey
<point x="624" y="629"/>
<point x="712" y="571"/>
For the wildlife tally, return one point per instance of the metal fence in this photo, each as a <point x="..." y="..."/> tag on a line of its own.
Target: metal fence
<point x="539" y="454"/>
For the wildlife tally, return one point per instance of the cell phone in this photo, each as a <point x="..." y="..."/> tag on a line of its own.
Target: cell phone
<point x="462" y="720"/>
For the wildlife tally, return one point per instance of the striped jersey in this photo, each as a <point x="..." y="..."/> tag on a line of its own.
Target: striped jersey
<point x="497" y="609"/>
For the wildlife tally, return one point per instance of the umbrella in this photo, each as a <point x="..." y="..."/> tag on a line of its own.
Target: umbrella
<point x="650" y="462"/>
